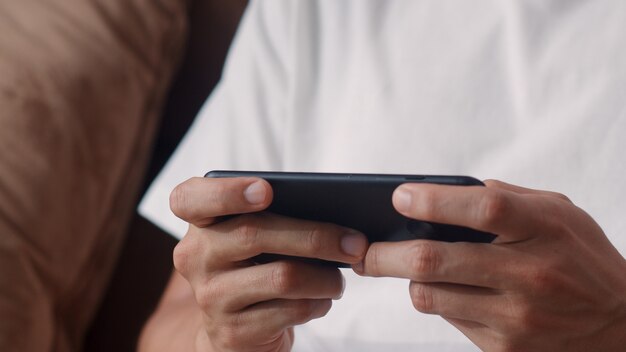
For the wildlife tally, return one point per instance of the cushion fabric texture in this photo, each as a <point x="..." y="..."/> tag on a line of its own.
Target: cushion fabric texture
<point x="81" y="89"/>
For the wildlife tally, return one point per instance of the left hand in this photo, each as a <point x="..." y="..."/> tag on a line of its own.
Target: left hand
<point x="550" y="281"/>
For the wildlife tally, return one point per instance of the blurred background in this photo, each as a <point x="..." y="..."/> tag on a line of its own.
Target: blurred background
<point x="94" y="97"/>
<point x="145" y="262"/>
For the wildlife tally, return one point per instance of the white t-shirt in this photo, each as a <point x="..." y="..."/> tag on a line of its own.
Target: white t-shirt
<point x="532" y="92"/>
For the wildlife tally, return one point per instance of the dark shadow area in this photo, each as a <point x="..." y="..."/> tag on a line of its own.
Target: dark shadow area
<point x="141" y="273"/>
<point x="145" y="262"/>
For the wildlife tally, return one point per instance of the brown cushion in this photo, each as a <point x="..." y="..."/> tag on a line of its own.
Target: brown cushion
<point x="81" y="85"/>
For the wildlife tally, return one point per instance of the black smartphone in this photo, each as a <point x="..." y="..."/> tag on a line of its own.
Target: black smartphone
<point x="359" y="201"/>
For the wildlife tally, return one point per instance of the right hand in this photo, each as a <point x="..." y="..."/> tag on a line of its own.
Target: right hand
<point x="249" y="306"/>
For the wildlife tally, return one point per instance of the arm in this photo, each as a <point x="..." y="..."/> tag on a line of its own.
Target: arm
<point x="176" y="321"/>
<point x="550" y="281"/>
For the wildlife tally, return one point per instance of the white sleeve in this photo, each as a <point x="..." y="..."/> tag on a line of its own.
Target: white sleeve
<point x="239" y="127"/>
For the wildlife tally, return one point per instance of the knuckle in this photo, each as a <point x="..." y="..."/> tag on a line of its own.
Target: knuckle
<point x="179" y="200"/>
<point x="195" y="254"/>
<point x="247" y="232"/>
<point x="528" y="320"/>
<point x="284" y="277"/>
<point x="314" y="240"/>
<point x="524" y="319"/>
<point x="561" y="196"/>
<point x="424" y="260"/>
<point x="493" y="183"/>
<point x="493" y="207"/>
<point x="303" y="310"/>
<point x="209" y="295"/>
<point x="184" y="254"/>
<point x="539" y="278"/>
<point x="545" y="280"/>
<point x="219" y="205"/>
<point x="422" y="298"/>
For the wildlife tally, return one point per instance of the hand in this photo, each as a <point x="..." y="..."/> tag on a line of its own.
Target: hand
<point x="249" y="306"/>
<point x="551" y="281"/>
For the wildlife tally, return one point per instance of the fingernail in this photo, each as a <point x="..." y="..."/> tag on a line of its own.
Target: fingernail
<point x="354" y="243"/>
<point x="343" y="287"/>
<point x="255" y="193"/>
<point x="402" y="199"/>
<point x="358" y="267"/>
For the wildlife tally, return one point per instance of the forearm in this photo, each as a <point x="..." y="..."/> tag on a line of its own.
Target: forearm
<point x="177" y="323"/>
<point x="174" y="326"/>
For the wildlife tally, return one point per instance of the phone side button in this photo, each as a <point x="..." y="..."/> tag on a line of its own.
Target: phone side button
<point x="415" y="178"/>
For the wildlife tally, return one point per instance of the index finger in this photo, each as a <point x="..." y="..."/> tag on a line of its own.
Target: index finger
<point x="523" y="190"/>
<point x="200" y="200"/>
<point x="510" y="215"/>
